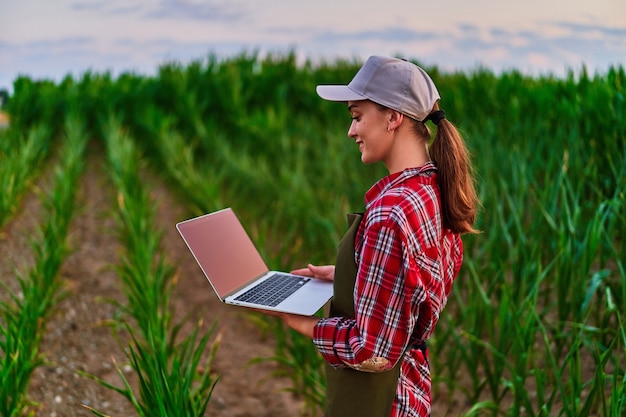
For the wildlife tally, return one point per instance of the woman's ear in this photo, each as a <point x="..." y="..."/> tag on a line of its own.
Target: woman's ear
<point x="395" y="120"/>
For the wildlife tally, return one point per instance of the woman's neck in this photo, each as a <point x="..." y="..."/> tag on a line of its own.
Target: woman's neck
<point x="408" y="152"/>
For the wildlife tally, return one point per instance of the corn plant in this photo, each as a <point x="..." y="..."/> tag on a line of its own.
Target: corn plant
<point x="23" y="317"/>
<point x="21" y="153"/>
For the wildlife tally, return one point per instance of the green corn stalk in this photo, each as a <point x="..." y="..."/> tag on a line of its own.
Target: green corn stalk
<point x="20" y="156"/>
<point x="23" y="317"/>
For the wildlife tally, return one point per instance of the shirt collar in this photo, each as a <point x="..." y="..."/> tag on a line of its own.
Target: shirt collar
<point x="396" y="178"/>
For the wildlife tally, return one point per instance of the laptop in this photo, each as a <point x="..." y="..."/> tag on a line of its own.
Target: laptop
<point x="238" y="273"/>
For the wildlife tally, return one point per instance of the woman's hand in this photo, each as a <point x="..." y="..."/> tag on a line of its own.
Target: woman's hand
<point x="304" y="324"/>
<point x="301" y="324"/>
<point x="325" y="272"/>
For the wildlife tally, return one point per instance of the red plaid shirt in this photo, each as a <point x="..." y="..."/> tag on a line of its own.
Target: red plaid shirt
<point x="406" y="264"/>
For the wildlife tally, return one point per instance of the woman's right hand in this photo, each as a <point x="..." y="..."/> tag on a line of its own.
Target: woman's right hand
<point x="325" y="272"/>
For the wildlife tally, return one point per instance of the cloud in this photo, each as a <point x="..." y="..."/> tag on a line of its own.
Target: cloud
<point x="106" y="7"/>
<point x="89" y="5"/>
<point x="549" y="47"/>
<point x="468" y="28"/>
<point x="616" y="33"/>
<point x="197" y="10"/>
<point x="392" y="34"/>
<point x="62" y="44"/>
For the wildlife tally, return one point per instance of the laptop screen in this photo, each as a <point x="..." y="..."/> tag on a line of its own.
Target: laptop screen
<point x="223" y="249"/>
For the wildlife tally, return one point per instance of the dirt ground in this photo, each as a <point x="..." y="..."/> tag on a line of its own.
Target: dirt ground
<point x="77" y="339"/>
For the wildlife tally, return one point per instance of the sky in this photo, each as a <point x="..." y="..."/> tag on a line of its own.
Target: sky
<point x="49" y="39"/>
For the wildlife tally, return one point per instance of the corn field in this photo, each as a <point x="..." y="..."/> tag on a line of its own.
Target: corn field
<point x="535" y="325"/>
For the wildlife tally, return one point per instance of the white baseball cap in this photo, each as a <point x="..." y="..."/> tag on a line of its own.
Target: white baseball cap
<point x="394" y="83"/>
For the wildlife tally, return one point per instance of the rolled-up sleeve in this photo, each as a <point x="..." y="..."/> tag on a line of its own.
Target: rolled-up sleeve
<point x="374" y="340"/>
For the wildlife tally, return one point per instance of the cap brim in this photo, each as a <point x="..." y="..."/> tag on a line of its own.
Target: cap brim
<point x="338" y="93"/>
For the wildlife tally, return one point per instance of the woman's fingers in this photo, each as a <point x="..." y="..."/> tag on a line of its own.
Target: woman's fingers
<point x="326" y="272"/>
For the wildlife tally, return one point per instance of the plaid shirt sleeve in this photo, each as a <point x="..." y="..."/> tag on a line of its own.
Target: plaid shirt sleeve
<point x="375" y="340"/>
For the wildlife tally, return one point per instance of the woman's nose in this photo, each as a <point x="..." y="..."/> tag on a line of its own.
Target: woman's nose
<point x="352" y="130"/>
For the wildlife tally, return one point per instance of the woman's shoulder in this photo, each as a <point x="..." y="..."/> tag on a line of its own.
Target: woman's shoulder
<point x="412" y="195"/>
<point x="404" y="205"/>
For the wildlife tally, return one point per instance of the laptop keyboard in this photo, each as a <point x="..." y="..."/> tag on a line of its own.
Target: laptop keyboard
<point x="273" y="290"/>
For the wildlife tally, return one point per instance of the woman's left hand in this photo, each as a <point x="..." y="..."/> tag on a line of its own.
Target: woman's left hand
<point x="301" y="324"/>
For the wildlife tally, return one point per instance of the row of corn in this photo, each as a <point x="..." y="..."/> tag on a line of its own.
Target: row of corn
<point x="26" y="310"/>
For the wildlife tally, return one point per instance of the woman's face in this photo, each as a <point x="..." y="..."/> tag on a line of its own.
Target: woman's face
<point x="369" y="130"/>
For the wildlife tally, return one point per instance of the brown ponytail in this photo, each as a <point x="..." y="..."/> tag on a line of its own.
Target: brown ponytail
<point x="456" y="178"/>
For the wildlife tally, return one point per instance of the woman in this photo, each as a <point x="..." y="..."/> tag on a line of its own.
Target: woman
<point x="396" y="265"/>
